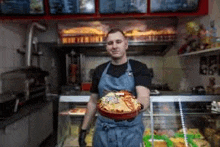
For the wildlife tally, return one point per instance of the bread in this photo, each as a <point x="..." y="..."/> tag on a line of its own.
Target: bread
<point x="178" y="142"/>
<point x="78" y="111"/>
<point x="160" y="143"/>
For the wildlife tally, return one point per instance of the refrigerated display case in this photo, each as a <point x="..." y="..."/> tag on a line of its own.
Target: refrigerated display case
<point x="171" y="121"/>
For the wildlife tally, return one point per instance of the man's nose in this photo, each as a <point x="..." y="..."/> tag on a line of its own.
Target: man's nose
<point x="114" y="45"/>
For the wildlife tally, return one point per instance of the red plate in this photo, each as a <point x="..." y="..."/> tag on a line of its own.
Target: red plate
<point x="118" y="116"/>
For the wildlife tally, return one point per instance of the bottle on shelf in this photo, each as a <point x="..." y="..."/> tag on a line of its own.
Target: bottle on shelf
<point x="208" y="37"/>
<point x="213" y="34"/>
<point x="202" y="37"/>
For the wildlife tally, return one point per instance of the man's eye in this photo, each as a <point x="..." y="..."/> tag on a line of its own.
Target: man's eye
<point x="110" y="43"/>
<point x="118" y="41"/>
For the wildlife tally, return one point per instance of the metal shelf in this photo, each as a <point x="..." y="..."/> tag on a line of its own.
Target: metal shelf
<point x="131" y="43"/>
<point x="185" y="98"/>
<point x="160" y="98"/>
<point x="135" y="48"/>
<point x="211" y="50"/>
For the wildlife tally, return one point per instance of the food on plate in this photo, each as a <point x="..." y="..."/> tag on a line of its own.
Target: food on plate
<point x="201" y="143"/>
<point x="190" y="131"/>
<point x="168" y="133"/>
<point x="74" y="110"/>
<point x="119" y="102"/>
<point x="78" y="110"/>
<point x="178" y="142"/>
<point x="147" y="131"/>
<point x="160" y="143"/>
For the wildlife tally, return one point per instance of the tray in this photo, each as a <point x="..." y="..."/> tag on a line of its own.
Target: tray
<point x="157" y="137"/>
<point x="118" y="116"/>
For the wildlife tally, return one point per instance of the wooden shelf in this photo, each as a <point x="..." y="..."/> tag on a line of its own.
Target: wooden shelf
<point x="211" y="50"/>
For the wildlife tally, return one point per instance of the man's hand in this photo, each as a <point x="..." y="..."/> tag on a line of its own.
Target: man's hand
<point x="82" y="137"/>
<point x="89" y="116"/>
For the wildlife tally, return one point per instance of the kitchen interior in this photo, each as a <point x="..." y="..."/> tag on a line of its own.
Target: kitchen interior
<point x="64" y="53"/>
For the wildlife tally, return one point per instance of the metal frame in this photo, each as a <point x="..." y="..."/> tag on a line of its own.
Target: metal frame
<point x="179" y="98"/>
<point x="162" y="98"/>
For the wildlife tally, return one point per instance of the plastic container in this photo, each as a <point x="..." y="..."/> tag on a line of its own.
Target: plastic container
<point x="163" y="137"/>
<point x="86" y="86"/>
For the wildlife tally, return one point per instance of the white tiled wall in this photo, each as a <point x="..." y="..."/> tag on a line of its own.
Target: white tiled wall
<point x="185" y="70"/>
<point x="12" y="37"/>
<point x="152" y="62"/>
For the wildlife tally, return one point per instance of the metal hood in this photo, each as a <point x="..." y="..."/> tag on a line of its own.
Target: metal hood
<point x="131" y="27"/>
<point x="136" y="49"/>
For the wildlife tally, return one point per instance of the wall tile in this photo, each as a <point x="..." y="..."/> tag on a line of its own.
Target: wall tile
<point x="8" y="58"/>
<point x="50" y="35"/>
<point x="173" y="76"/>
<point x="14" y="34"/>
<point x="2" y="51"/>
<point x="2" y="37"/>
<point x="2" y="70"/>
<point x="9" y="38"/>
<point x="0" y="86"/>
<point x="18" y="59"/>
<point x="158" y="76"/>
<point x="172" y="62"/>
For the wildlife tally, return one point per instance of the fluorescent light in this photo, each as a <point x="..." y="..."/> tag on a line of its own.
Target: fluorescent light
<point x="89" y="6"/>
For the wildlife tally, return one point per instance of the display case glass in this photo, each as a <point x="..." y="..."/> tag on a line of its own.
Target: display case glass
<point x="70" y="117"/>
<point x="174" y="120"/>
<point x="186" y="120"/>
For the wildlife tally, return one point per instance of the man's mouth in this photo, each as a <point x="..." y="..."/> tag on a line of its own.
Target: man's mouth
<point x="115" y="52"/>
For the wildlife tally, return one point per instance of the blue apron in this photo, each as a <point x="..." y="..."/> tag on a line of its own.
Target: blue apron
<point x="111" y="133"/>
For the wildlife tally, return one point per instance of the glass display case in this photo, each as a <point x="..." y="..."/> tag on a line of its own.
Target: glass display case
<point x="171" y="121"/>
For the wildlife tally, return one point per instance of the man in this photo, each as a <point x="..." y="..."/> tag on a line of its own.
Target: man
<point x="118" y="74"/>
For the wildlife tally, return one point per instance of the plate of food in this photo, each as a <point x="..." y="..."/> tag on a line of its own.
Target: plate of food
<point x="119" y="105"/>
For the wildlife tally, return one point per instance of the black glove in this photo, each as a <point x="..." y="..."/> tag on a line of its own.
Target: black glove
<point x="82" y="137"/>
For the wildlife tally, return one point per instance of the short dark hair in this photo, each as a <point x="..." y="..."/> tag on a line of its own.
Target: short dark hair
<point x="114" y="31"/>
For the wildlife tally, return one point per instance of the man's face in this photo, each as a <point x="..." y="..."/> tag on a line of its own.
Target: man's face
<point x="116" y="45"/>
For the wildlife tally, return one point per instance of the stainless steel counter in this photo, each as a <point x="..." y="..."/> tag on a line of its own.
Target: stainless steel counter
<point x="23" y="112"/>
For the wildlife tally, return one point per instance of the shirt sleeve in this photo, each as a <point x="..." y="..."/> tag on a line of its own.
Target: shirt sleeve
<point x="96" y="77"/>
<point x="142" y="76"/>
<point x="95" y="82"/>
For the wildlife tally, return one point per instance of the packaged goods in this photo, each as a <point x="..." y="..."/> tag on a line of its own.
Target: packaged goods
<point x="159" y="141"/>
<point x="201" y="143"/>
<point x="180" y="142"/>
<point x="209" y="133"/>
<point x="191" y="132"/>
